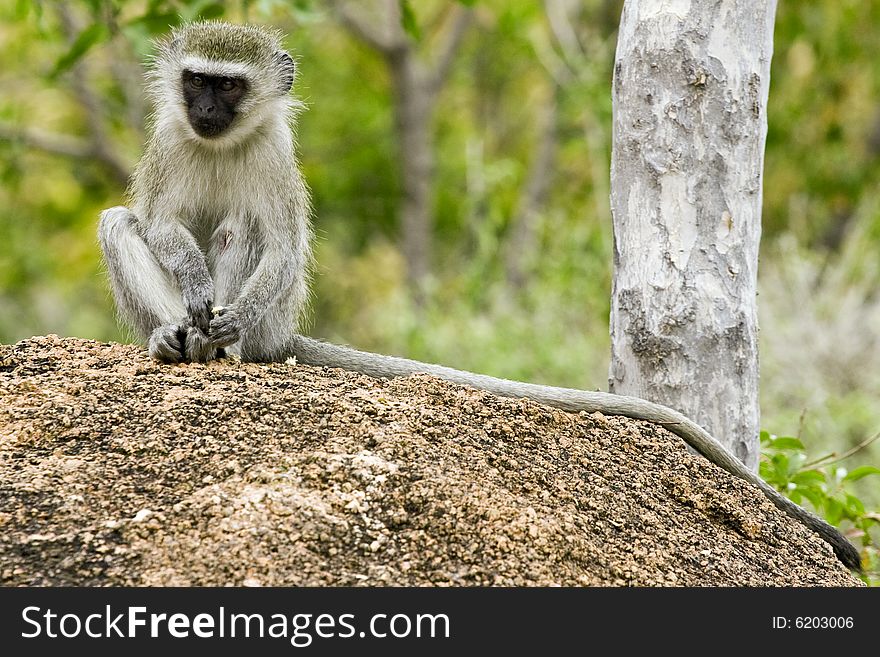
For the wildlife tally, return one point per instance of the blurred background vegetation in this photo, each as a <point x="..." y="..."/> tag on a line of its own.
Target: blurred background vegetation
<point x="517" y="273"/>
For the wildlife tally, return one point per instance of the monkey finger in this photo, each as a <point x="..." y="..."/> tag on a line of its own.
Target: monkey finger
<point x="198" y="310"/>
<point x="225" y="336"/>
<point x="203" y="318"/>
<point x="225" y="328"/>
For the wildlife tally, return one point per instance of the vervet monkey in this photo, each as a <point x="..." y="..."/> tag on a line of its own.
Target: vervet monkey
<point x="214" y="253"/>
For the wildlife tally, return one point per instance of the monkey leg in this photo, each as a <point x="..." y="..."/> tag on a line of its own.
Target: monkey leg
<point x="147" y="299"/>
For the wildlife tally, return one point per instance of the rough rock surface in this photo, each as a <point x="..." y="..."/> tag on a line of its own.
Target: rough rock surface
<point x="116" y="470"/>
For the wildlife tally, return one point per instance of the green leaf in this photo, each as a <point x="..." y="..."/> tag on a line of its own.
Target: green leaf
<point x="806" y="477"/>
<point x="408" y="20"/>
<point x="84" y="42"/>
<point x="213" y="10"/>
<point x="786" y="443"/>
<point x="155" y="23"/>
<point x="860" y="472"/>
<point x="816" y="497"/>
<point x="783" y="469"/>
<point x="833" y="511"/>
<point x="765" y="437"/>
<point x="467" y="3"/>
<point x="22" y="8"/>
<point x="854" y="505"/>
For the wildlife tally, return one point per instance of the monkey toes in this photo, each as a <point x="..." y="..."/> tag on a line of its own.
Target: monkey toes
<point x="174" y="343"/>
<point x="166" y="343"/>
<point x="199" y="347"/>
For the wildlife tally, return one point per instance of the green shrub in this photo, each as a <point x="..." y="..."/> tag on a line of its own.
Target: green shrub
<point x="827" y="486"/>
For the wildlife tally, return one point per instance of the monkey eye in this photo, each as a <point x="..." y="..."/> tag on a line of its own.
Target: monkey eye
<point x="227" y="84"/>
<point x="197" y="81"/>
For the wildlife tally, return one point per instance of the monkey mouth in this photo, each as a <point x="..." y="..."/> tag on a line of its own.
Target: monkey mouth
<point x="208" y="129"/>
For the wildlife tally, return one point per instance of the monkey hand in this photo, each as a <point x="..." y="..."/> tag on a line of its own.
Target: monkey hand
<point x="198" y="302"/>
<point x="226" y="327"/>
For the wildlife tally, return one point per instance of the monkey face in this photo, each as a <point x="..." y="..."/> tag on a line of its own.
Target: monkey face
<point x="211" y="101"/>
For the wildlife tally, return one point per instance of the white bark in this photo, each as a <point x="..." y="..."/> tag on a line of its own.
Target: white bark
<point x="690" y="96"/>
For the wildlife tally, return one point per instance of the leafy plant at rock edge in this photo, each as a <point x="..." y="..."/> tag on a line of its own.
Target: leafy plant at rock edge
<point x="828" y="487"/>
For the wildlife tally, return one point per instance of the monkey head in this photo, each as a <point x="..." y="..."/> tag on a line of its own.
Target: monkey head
<point x="216" y="81"/>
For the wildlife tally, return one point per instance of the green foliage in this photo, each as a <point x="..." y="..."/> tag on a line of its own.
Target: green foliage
<point x="824" y="134"/>
<point x="828" y="488"/>
<point x="203" y="10"/>
<point x="408" y="20"/>
<point x="474" y="323"/>
<point x="87" y="39"/>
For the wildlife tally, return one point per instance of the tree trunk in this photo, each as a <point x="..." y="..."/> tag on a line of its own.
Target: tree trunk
<point x="690" y="98"/>
<point x="413" y="114"/>
<point x="416" y="85"/>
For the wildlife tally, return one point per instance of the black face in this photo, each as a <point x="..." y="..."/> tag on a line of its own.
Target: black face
<point x="211" y="101"/>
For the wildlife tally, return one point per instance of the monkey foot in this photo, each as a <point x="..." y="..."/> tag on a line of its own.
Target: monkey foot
<point x="166" y="343"/>
<point x="199" y="347"/>
<point x="174" y="343"/>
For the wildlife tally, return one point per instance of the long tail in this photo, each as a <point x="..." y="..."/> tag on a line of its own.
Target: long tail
<point x="314" y="352"/>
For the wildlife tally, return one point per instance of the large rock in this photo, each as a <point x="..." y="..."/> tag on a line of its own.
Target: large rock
<point x="116" y="470"/>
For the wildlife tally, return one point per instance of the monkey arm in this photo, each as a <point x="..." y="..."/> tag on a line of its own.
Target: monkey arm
<point x="179" y="254"/>
<point x="271" y="280"/>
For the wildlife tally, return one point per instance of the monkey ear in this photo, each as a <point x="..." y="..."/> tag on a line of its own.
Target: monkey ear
<point x="287" y="69"/>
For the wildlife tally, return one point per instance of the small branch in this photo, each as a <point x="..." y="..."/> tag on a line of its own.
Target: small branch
<point x="801" y="423"/>
<point x="65" y="146"/>
<point x="101" y="147"/>
<point x="361" y="28"/>
<point x="837" y="459"/>
<point x="47" y="141"/>
<point x="560" y="24"/>
<point x="557" y="67"/>
<point x="458" y="25"/>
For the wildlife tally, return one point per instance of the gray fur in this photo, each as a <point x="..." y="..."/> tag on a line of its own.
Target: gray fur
<point x="214" y="222"/>
<point x="222" y="225"/>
